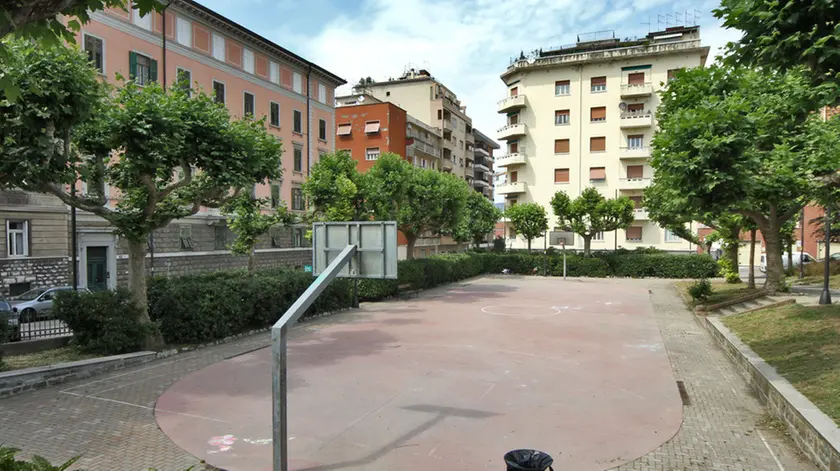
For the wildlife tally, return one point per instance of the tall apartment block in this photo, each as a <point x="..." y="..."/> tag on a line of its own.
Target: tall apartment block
<point x="583" y="116"/>
<point x="248" y="73"/>
<point x="483" y="177"/>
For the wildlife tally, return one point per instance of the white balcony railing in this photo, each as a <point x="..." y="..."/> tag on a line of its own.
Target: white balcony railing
<point x="511" y="103"/>
<point x="636" y="119"/>
<point x="514" y="158"/>
<point x="511" y="188"/>
<point x="639" y="89"/>
<point x="641" y="214"/>
<point x="633" y="183"/>
<point x="512" y="131"/>
<point x="480" y="166"/>
<point x="480" y="151"/>
<point x="636" y="152"/>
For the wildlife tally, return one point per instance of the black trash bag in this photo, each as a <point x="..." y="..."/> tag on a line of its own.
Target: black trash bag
<point x="528" y="460"/>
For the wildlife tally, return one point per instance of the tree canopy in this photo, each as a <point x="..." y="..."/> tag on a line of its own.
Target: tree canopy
<point x="249" y="219"/>
<point x="336" y="190"/>
<point x="528" y="219"/>
<point x="591" y="213"/>
<point x="478" y="221"/>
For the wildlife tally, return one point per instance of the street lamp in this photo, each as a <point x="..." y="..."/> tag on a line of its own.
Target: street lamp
<point x="825" y="296"/>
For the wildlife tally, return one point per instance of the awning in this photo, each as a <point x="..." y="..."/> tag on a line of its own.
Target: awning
<point x="371" y="127"/>
<point x="344" y="129"/>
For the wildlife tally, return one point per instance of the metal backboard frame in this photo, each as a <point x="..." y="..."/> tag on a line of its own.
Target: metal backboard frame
<point x="376" y="248"/>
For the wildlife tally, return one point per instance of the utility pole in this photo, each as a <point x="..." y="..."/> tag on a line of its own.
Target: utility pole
<point x="825" y="296"/>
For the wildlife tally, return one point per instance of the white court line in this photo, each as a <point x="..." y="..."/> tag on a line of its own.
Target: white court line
<point x="124" y="374"/>
<point x="144" y="407"/>
<point x="488" y="310"/>
<point x="134" y="382"/>
<point x="767" y="445"/>
<point x="487" y="392"/>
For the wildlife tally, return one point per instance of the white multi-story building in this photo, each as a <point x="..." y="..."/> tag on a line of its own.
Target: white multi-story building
<point x="584" y="115"/>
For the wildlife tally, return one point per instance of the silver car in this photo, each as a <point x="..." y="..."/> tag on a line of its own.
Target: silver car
<point x="37" y="303"/>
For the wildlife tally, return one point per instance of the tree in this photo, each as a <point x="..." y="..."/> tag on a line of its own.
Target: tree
<point x="785" y="34"/>
<point x="750" y="225"/>
<point x="168" y="154"/>
<point x="478" y="220"/>
<point x="591" y="213"/>
<point x="528" y="219"/>
<point x="246" y="219"/>
<point x="336" y="190"/>
<point x="743" y="141"/>
<point x="420" y="201"/>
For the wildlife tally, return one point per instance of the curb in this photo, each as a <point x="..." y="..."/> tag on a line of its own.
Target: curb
<point x="813" y="431"/>
<point x="28" y="379"/>
<point x="729" y="302"/>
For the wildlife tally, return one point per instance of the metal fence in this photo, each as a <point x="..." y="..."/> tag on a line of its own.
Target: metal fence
<point x="38" y="328"/>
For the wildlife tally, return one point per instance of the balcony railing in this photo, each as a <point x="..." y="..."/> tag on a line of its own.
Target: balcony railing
<point x="511" y="103"/>
<point x="511" y="188"/>
<point x="481" y="164"/>
<point x="512" y="131"/>
<point x="636" y="152"/>
<point x="480" y="183"/>
<point x="513" y="158"/>
<point x="638" y="89"/>
<point x="482" y="151"/>
<point x="446" y="164"/>
<point x="425" y="147"/>
<point x="641" y="214"/>
<point x="633" y="183"/>
<point x="636" y="119"/>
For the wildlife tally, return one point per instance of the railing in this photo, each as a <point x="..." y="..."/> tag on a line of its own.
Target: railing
<point x="32" y="326"/>
<point x="636" y="88"/>
<point x="426" y="147"/>
<point x="511" y="102"/>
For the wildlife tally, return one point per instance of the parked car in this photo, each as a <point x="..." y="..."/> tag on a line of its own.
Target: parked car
<point x="6" y="315"/>
<point x="806" y="259"/>
<point x="37" y="303"/>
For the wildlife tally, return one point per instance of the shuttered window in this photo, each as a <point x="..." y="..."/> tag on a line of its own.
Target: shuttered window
<point x="597" y="173"/>
<point x="561" y="146"/>
<point x="637" y="201"/>
<point x="143" y="69"/>
<point x="597" y="144"/>
<point x="561" y="117"/>
<point x="562" y="87"/>
<point x="637" y="78"/>
<point x="561" y="175"/>
<point x="598" y="84"/>
<point x="636" y="107"/>
<point x="598" y="113"/>
<point x="635" y="171"/>
<point x="634" y="233"/>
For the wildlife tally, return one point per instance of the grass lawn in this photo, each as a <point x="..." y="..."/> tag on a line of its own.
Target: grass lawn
<point x="721" y="291"/>
<point x="833" y="281"/>
<point x="47" y="357"/>
<point x="803" y="344"/>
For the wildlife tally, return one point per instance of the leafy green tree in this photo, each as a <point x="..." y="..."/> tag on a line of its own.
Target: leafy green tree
<point x="528" y="219"/>
<point x="746" y="142"/>
<point x="785" y="34"/>
<point x="336" y="190"/>
<point x="591" y="213"/>
<point x="247" y="218"/>
<point x="478" y="220"/>
<point x="420" y="201"/>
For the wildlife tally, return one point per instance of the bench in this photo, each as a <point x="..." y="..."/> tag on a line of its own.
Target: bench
<point x="406" y="292"/>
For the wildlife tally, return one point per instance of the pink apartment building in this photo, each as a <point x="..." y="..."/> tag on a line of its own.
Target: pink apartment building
<point x="247" y="72"/>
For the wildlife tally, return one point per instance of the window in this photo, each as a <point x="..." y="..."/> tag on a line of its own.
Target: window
<point x="17" y="238"/>
<point x="322" y="93"/>
<point x="144" y="69"/>
<point x="274" y="114"/>
<point x="218" y="47"/>
<point x="598" y="236"/>
<point x="635" y="171"/>
<point x="460" y="143"/>
<point x="185" y="234"/>
<point x="672" y="74"/>
<point x="636" y="79"/>
<point x="276" y="234"/>
<point x="513" y="119"/>
<point x="371" y="127"/>
<point x="322" y="129"/>
<point x="598" y="114"/>
<point x="561" y="146"/>
<point x="144" y="22"/>
<point x="671" y="237"/>
<point x="561" y="175"/>
<point x="297" y="199"/>
<point x="297" y="82"/>
<point x="183" y="32"/>
<point x="597" y="174"/>
<point x="184" y="78"/>
<point x="274" y="72"/>
<point x="275" y="196"/>
<point x="598" y="84"/>
<point x="298" y="159"/>
<point x="637" y="201"/>
<point x="95" y="49"/>
<point x="372" y="153"/>
<point x="248" y="60"/>
<point x="562" y="87"/>
<point x="561" y="117"/>
<point x="220" y="237"/>
<point x="514" y="176"/>
<point x="597" y="144"/>
<point x="344" y="129"/>
<point x="297" y="237"/>
<point x="635" y="141"/>
<point x="219" y="92"/>
<point x="248" y="103"/>
<point x="514" y="91"/>
<point x="440" y="116"/>
<point x="636" y="107"/>
<point x="297" y="122"/>
<point x="513" y="147"/>
<point x="633" y="233"/>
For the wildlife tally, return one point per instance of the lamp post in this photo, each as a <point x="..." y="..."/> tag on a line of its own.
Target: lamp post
<point x="825" y="296"/>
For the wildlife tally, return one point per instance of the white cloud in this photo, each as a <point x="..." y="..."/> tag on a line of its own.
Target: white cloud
<point x="616" y="16"/>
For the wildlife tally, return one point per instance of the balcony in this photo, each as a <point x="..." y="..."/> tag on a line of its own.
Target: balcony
<point x="636" y="90"/>
<point x="642" y="152"/>
<point x="446" y="164"/>
<point x="511" y="188"/>
<point x="636" y="119"/>
<point x="479" y="183"/>
<point x="511" y="103"/>
<point x="482" y="151"/>
<point x="633" y="183"/>
<point x="512" y="131"/>
<point x="481" y="165"/>
<point x="641" y="214"/>
<point x="514" y="158"/>
<point x="425" y="148"/>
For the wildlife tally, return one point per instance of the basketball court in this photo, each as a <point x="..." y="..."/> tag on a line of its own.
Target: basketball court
<point x="449" y="381"/>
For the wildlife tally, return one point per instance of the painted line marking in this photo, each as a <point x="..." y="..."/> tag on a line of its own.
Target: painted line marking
<point x="487" y="392"/>
<point x="767" y="445"/>
<point x="140" y="406"/>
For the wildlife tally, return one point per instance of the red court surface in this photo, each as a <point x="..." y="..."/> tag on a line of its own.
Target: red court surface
<point x="450" y="381"/>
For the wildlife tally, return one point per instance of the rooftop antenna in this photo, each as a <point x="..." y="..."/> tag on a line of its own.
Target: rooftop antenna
<point x="677" y="19"/>
<point x="667" y="20"/>
<point x="647" y="23"/>
<point x="696" y="16"/>
<point x="659" y="20"/>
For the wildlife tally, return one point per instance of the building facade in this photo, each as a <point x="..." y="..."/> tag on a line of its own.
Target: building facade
<point x="251" y="76"/>
<point x="482" y="163"/>
<point x="584" y="115"/>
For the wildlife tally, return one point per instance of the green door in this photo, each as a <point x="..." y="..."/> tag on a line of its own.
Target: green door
<point x="97" y="268"/>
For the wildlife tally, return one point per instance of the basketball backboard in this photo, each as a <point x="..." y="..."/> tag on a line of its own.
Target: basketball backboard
<point x="376" y="248"/>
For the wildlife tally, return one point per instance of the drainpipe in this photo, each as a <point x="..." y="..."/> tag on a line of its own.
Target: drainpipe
<point x="308" y="118"/>
<point x="163" y="63"/>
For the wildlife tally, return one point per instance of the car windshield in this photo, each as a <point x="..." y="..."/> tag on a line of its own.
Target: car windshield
<point x="4" y="305"/>
<point x="31" y="294"/>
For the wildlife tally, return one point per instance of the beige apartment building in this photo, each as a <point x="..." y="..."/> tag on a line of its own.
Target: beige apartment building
<point x="482" y="163"/>
<point x="430" y="102"/>
<point x="584" y="115"/>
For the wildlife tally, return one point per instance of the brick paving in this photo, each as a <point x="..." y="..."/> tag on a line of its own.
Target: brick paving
<point x="110" y="422"/>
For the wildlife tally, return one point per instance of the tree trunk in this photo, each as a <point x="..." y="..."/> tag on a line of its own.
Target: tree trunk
<point x="751" y="280"/>
<point x="775" y="280"/>
<point x="251" y="263"/>
<point x="732" y="254"/>
<point x="790" y="256"/>
<point x="529" y="245"/>
<point x="409" y="246"/>
<point x="708" y="246"/>
<point x="587" y="245"/>
<point x="137" y="286"/>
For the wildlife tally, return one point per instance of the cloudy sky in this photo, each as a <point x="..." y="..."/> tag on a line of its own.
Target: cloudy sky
<point x="465" y="44"/>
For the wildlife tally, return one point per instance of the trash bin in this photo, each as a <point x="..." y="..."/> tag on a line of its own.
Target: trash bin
<point x="528" y="460"/>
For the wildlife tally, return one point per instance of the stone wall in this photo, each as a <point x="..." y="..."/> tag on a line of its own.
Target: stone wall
<point x="38" y="272"/>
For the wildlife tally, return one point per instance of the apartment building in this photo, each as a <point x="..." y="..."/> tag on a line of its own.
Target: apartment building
<point x="247" y="72"/>
<point x="482" y="163"/>
<point x="433" y="104"/>
<point x="583" y="115"/>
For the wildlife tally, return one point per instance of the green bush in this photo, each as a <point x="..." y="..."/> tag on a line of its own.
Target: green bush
<point x="106" y="322"/>
<point x="664" y="266"/>
<point x="728" y="271"/>
<point x="499" y="245"/>
<point x="700" y="290"/>
<point x="818" y="268"/>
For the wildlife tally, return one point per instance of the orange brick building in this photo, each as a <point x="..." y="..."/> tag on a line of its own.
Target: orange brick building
<point x="369" y="130"/>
